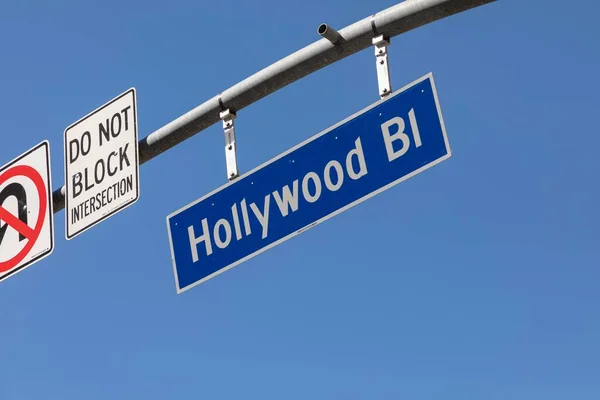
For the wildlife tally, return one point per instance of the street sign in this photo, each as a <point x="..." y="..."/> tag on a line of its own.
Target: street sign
<point x="101" y="164"/>
<point x="26" y="214"/>
<point x="384" y="144"/>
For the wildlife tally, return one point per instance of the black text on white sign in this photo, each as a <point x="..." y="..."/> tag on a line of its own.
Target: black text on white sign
<point x="101" y="164"/>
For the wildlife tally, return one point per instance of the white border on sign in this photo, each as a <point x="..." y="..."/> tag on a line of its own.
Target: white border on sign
<point x="137" y="163"/>
<point x="331" y="215"/>
<point x="50" y="205"/>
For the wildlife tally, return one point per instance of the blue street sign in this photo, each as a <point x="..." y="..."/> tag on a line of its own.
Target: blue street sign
<point x="367" y="153"/>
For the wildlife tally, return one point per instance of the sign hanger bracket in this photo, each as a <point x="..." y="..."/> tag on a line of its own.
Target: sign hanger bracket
<point x="381" y="44"/>
<point x="228" y="117"/>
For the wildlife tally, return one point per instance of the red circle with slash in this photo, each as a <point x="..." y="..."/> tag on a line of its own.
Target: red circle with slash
<point x="31" y="234"/>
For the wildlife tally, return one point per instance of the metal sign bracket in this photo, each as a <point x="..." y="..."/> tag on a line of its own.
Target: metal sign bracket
<point x="381" y="44"/>
<point x="228" y="116"/>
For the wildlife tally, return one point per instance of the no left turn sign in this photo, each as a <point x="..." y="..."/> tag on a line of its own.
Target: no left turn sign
<point x="26" y="213"/>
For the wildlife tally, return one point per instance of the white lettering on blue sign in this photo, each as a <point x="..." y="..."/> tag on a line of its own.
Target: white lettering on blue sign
<point x="377" y="148"/>
<point x="287" y="202"/>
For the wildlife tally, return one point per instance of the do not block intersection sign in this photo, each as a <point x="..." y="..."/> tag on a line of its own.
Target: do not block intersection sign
<point x="26" y="213"/>
<point x="101" y="164"/>
<point x="369" y="152"/>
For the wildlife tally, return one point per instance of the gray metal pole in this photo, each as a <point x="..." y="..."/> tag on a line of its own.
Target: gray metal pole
<point x="390" y="22"/>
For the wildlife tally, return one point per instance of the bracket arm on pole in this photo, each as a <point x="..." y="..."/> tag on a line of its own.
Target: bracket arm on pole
<point x="381" y="44"/>
<point x="228" y="117"/>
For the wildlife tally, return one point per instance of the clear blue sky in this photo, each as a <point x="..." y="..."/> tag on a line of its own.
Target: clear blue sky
<point x="477" y="279"/>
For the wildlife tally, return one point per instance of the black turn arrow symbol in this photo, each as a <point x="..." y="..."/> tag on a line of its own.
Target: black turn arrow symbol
<point x="18" y="191"/>
<point x="2" y="232"/>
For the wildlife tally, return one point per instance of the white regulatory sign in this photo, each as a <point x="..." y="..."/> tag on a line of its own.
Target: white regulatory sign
<point x="101" y="164"/>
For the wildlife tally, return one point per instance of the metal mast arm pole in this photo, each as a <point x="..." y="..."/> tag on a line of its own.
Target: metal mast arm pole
<point x="390" y="22"/>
